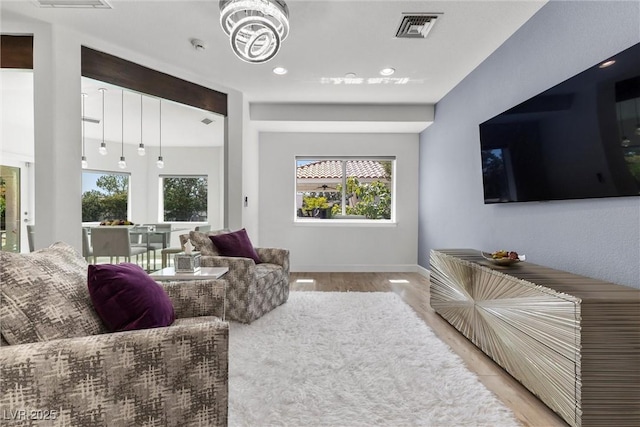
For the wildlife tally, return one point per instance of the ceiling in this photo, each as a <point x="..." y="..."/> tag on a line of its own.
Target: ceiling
<point x="328" y="39"/>
<point x="182" y="125"/>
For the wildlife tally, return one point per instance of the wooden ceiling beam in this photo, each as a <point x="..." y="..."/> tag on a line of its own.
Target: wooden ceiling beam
<point x="120" y="72"/>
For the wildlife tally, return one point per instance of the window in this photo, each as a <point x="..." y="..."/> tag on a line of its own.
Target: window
<point x="105" y="196"/>
<point x="344" y="188"/>
<point x="184" y="198"/>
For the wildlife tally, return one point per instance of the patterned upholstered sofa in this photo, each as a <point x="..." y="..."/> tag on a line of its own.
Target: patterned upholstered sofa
<point x="252" y="289"/>
<point x="58" y="366"/>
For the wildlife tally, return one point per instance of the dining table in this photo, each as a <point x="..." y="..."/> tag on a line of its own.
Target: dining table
<point x="146" y="231"/>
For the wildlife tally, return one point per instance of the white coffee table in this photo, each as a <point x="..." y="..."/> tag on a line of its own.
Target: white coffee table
<point x="205" y="273"/>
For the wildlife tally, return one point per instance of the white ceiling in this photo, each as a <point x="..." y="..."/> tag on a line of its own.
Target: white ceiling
<point x="328" y="39"/>
<point x="181" y="124"/>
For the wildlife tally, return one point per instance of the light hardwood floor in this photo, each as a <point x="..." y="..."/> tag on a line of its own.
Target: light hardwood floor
<point x="527" y="408"/>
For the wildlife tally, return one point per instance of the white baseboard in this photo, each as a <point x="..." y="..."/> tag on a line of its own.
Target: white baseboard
<point x="423" y="271"/>
<point x="362" y="268"/>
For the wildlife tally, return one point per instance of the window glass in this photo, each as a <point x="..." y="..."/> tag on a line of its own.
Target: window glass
<point x="105" y="196"/>
<point x="331" y="188"/>
<point x="184" y="198"/>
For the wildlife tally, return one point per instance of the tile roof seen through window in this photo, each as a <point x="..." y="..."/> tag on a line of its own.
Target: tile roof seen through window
<point x="333" y="169"/>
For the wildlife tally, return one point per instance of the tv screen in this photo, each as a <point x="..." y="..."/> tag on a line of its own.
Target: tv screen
<point x="579" y="139"/>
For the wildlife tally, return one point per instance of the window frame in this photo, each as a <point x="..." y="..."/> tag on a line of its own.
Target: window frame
<point x="345" y="221"/>
<point x="108" y="172"/>
<point x="161" y="213"/>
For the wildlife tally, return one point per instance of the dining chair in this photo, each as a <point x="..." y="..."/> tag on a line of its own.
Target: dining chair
<point x="31" y="229"/>
<point x="159" y="239"/>
<point x="87" y="250"/>
<point x="167" y="253"/>
<point x="114" y="241"/>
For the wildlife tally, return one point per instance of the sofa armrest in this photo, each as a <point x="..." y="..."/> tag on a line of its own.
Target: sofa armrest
<point x="176" y="375"/>
<point x="233" y="263"/>
<point x="275" y="256"/>
<point x="195" y="298"/>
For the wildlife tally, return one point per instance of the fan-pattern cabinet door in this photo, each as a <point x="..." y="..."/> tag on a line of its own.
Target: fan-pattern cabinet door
<point x="531" y="331"/>
<point x="574" y="341"/>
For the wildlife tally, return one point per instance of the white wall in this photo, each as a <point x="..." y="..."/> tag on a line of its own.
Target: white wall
<point x="337" y="247"/>
<point x="234" y="137"/>
<point x="250" y="180"/>
<point x="598" y="238"/>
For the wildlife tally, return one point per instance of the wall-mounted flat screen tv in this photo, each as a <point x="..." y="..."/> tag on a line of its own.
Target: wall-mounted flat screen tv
<point x="579" y="139"/>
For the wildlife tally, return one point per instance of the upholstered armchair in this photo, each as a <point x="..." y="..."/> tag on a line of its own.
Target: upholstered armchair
<point x="253" y="289"/>
<point x="59" y="366"/>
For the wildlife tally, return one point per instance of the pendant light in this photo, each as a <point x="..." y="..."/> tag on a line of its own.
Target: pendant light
<point x="160" y="162"/>
<point x="122" y="163"/>
<point x="103" y="146"/>
<point x="141" y="150"/>
<point x="84" y="157"/>
<point x="625" y="141"/>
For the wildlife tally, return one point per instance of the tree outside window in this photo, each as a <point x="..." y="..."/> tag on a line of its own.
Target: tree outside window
<point x="105" y="197"/>
<point x="185" y="198"/>
<point x="344" y="188"/>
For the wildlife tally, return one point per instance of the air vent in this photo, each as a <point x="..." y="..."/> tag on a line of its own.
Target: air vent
<point x="206" y="121"/>
<point x="96" y="4"/>
<point x="416" y="25"/>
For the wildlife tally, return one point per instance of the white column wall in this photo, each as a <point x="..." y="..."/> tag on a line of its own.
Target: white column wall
<point x="251" y="180"/>
<point x="57" y="132"/>
<point x="234" y="135"/>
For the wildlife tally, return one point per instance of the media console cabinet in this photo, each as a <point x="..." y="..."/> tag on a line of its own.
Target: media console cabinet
<point x="572" y="341"/>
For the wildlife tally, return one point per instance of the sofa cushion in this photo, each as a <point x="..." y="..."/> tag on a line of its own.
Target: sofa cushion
<point x="236" y="244"/>
<point x="44" y="296"/>
<point x="127" y="298"/>
<point x="201" y="242"/>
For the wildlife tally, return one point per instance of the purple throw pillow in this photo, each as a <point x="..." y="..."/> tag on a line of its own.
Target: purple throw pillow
<point x="236" y="244"/>
<point x="126" y="298"/>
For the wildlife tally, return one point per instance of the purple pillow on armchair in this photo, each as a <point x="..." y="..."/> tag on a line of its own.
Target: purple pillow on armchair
<point x="235" y="244"/>
<point x="126" y="298"/>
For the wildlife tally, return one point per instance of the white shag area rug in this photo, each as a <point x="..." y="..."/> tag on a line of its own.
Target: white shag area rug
<point x="351" y="359"/>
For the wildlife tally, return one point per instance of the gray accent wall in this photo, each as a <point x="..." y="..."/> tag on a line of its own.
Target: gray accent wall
<point x="598" y="238"/>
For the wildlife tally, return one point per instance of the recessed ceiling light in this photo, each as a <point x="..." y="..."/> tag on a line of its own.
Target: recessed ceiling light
<point x="398" y="281"/>
<point x="387" y="71"/>
<point x="608" y="63"/>
<point x="350" y="75"/>
<point x="305" y="281"/>
<point x="280" y="71"/>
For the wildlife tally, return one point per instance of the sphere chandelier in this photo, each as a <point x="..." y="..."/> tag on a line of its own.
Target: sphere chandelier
<point x="256" y="27"/>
